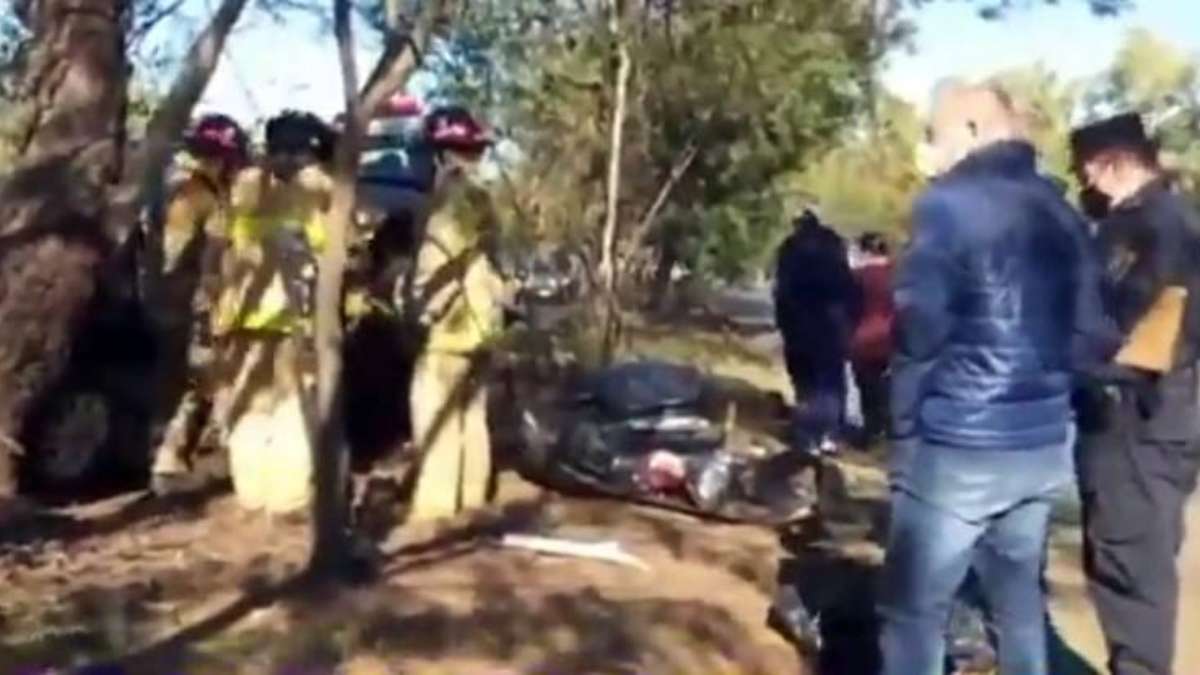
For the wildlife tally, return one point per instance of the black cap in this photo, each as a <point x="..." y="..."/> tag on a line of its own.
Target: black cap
<point x="1120" y="132"/>
<point x="807" y="218"/>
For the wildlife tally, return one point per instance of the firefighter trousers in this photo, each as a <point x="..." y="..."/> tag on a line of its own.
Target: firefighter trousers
<point x="450" y="433"/>
<point x="190" y="381"/>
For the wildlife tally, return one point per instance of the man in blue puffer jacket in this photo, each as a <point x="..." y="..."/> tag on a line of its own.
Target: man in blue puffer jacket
<point x="996" y="301"/>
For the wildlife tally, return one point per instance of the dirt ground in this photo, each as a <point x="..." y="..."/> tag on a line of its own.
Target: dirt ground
<point x="204" y="588"/>
<point x="201" y="587"/>
<point x="134" y="585"/>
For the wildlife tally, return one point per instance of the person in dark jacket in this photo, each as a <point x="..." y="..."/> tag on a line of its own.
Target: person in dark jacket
<point x="871" y="344"/>
<point x="816" y="307"/>
<point x="995" y="300"/>
<point x="1138" y="458"/>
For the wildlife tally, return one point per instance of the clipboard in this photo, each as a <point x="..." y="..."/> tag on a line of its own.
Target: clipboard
<point x="1152" y="342"/>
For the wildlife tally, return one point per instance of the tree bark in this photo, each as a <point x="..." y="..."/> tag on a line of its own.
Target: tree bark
<point x="77" y="78"/>
<point x="329" y="549"/>
<point x="52" y="208"/>
<point x="146" y="173"/>
<point x="73" y="196"/>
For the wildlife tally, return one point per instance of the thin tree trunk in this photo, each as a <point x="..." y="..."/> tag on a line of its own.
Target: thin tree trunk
<point x="52" y="208"/>
<point x="646" y="225"/>
<point x="331" y="505"/>
<point x="331" y="502"/>
<point x="608" y="251"/>
<point x="661" y="293"/>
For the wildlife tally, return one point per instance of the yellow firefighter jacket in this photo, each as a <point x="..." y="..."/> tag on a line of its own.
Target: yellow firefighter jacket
<point x="458" y="291"/>
<point x="266" y="212"/>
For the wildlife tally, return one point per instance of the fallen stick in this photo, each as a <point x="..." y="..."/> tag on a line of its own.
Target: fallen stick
<point x="608" y="551"/>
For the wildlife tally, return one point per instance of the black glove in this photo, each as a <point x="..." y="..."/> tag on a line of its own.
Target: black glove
<point x="1093" y="404"/>
<point x="513" y="315"/>
<point x="1147" y="396"/>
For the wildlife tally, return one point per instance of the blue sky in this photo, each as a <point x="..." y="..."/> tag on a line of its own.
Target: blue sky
<point x="952" y="41"/>
<point x="271" y="66"/>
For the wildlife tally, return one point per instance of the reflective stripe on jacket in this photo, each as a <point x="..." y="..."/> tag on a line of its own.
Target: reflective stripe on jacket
<point x="269" y="219"/>
<point x="458" y="291"/>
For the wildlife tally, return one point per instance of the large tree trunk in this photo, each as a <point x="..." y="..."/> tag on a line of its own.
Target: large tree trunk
<point x="71" y="197"/>
<point x="52" y="209"/>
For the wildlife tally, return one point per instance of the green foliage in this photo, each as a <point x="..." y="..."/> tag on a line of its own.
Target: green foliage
<point x="868" y="181"/>
<point x="1152" y="73"/>
<point x="1162" y="82"/>
<point x="1049" y="106"/>
<point x="735" y="238"/>
<point x="758" y="88"/>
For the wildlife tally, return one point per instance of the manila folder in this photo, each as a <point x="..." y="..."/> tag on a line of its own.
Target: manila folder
<point x="1151" y="343"/>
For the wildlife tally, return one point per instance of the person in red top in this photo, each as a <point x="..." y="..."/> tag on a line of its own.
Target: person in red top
<point x="871" y="344"/>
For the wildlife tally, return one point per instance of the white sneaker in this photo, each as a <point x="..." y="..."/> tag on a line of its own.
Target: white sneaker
<point x="827" y="446"/>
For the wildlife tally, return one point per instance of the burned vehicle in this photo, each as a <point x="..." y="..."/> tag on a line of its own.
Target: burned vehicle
<point x="549" y="276"/>
<point x="646" y="431"/>
<point x="90" y="431"/>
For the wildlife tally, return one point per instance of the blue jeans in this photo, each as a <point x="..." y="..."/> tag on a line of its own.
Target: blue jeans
<point x="956" y="510"/>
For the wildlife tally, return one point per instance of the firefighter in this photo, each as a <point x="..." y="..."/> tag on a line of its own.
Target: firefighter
<point x="193" y="243"/>
<point x="458" y="296"/>
<point x="277" y="230"/>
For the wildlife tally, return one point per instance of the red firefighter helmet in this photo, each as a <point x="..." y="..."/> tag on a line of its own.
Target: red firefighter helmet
<point x="218" y="136"/>
<point x="401" y="105"/>
<point x="453" y="128"/>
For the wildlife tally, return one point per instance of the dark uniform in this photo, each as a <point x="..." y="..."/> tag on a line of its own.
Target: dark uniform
<point x="1138" y="457"/>
<point x="817" y="303"/>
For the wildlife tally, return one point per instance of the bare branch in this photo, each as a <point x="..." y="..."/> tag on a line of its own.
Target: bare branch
<point x="147" y="24"/>
<point x="402" y="57"/>
<point x="343" y="30"/>
<point x="393" y="49"/>
<point x="145" y="174"/>
<point x="645" y="226"/>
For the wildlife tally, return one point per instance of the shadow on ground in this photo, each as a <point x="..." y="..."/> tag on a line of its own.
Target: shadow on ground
<point x="453" y="595"/>
<point x="136" y="509"/>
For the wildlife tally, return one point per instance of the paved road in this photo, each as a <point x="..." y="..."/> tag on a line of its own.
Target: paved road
<point x="1076" y="622"/>
<point x="750" y="306"/>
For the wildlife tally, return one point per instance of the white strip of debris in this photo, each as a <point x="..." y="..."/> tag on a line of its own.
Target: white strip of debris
<point x="608" y="551"/>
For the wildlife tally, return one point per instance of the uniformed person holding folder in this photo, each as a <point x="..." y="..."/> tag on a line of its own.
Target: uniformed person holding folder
<point x="1138" y="455"/>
